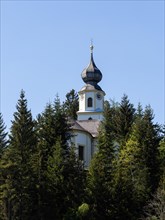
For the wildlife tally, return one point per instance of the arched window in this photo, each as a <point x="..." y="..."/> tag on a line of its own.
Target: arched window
<point x="90" y="102"/>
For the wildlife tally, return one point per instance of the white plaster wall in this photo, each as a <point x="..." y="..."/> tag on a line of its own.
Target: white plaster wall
<point x="93" y="115"/>
<point x="97" y="104"/>
<point x="81" y="102"/>
<point x="85" y="140"/>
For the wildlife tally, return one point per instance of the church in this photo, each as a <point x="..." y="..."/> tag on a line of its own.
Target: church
<point x="90" y="114"/>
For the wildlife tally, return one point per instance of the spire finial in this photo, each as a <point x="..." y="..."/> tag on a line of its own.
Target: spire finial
<point x="91" y="46"/>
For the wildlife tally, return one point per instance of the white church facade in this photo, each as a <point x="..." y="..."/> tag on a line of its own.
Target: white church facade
<point x="90" y="114"/>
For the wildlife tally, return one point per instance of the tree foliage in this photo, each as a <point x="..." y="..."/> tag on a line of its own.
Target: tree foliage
<point x="100" y="171"/>
<point x="122" y="179"/>
<point x="60" y="173"/>
<point x="42" y="178"/>
<point x="124" y="119"/>
<point x="71" y="104"/>
<point x="3" y="136"/>
<point x="156" y="207"/>
<point x="16" y="165"/>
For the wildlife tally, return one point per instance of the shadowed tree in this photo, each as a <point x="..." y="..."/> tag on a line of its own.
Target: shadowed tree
<point x="19" y="188"/>
<point x="138" y="167"/>
<point x="155" y="210"/>
<point x="124" y="119"/>
<point x="3" y="147"/>
<point x="3" y="134"/>
<point x="71" y="104"/>
<point x="151" y="141"/>
<point x="100" y="174"/>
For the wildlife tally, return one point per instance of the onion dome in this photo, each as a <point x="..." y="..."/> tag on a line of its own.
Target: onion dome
<point x="91" y="75"/>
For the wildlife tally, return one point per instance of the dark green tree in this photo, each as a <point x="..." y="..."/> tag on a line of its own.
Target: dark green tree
<point x="111" y="111"/>
<point x="18" y="189"/>
<point x="74" y="177"/>
<point x="71" y="104"/>
<point x="152" y="137"/>
<point x="162" y="156"/>
<point x="52" y="126"/>
<point x="124" y="119"/>
<point x="62" y="125"/>
<point x="60" y="173"/>
<point x="101" y="170"/>
<point x="130" y="179"/>
<point x="3" y="135"/>
<point x="3" y="146"/>
<point x="137" y="173"/>
<point x="155" y="209"/>
<point x="53" y="186"/>
<point x="65" y="175"/>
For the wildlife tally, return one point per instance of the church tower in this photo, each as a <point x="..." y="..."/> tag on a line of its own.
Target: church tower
<point x="91" y="96"/>
<point x="90" y="114"/>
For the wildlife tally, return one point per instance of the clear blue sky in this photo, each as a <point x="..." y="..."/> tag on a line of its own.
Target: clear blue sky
<point x="45" y="47"/>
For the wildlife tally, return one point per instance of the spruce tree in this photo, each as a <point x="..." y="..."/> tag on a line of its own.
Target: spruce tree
<point x="74" y="184"/>
<point x="101" y="170"/>
<point x="137" y="166"/>
<point x="54" y="184"/>
<point x="59" y="173"/>
<point x="155" y="209"/>
<point x="47" y="136"/>
<point x="111" y="111"/>
<point x="3" y="134"/>
<point x="71" y="104"/>
<point x="162" y="156"/>
<point x="65" y="175"/>
<point x="62" y="125"/>
<point x="19" y="188"/>
<point x="52" y="126"/>
<point x="3" y="147"/>
<point x="151" y="148"/>
<point x="130" y="179"/>
<point x="124" y="119"/>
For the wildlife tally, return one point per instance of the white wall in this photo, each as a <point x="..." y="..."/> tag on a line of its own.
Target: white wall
<point x="95" y="112"/>
<point x="85" y="140"/>
<point x="97" y="103"/>
<point x="87" y="115"/>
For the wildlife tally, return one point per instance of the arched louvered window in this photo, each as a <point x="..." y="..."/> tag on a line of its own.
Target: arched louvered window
<point x="90" y="102"/>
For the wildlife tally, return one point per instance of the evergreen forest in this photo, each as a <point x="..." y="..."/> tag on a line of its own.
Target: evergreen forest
<point x="42" y="178"/>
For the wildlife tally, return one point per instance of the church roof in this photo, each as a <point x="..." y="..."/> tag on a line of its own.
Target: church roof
<point x="90" y="87"/>
<point x="90" y="126"/>
<point x="91" y="75"/>
<point x="76" y="126"/>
